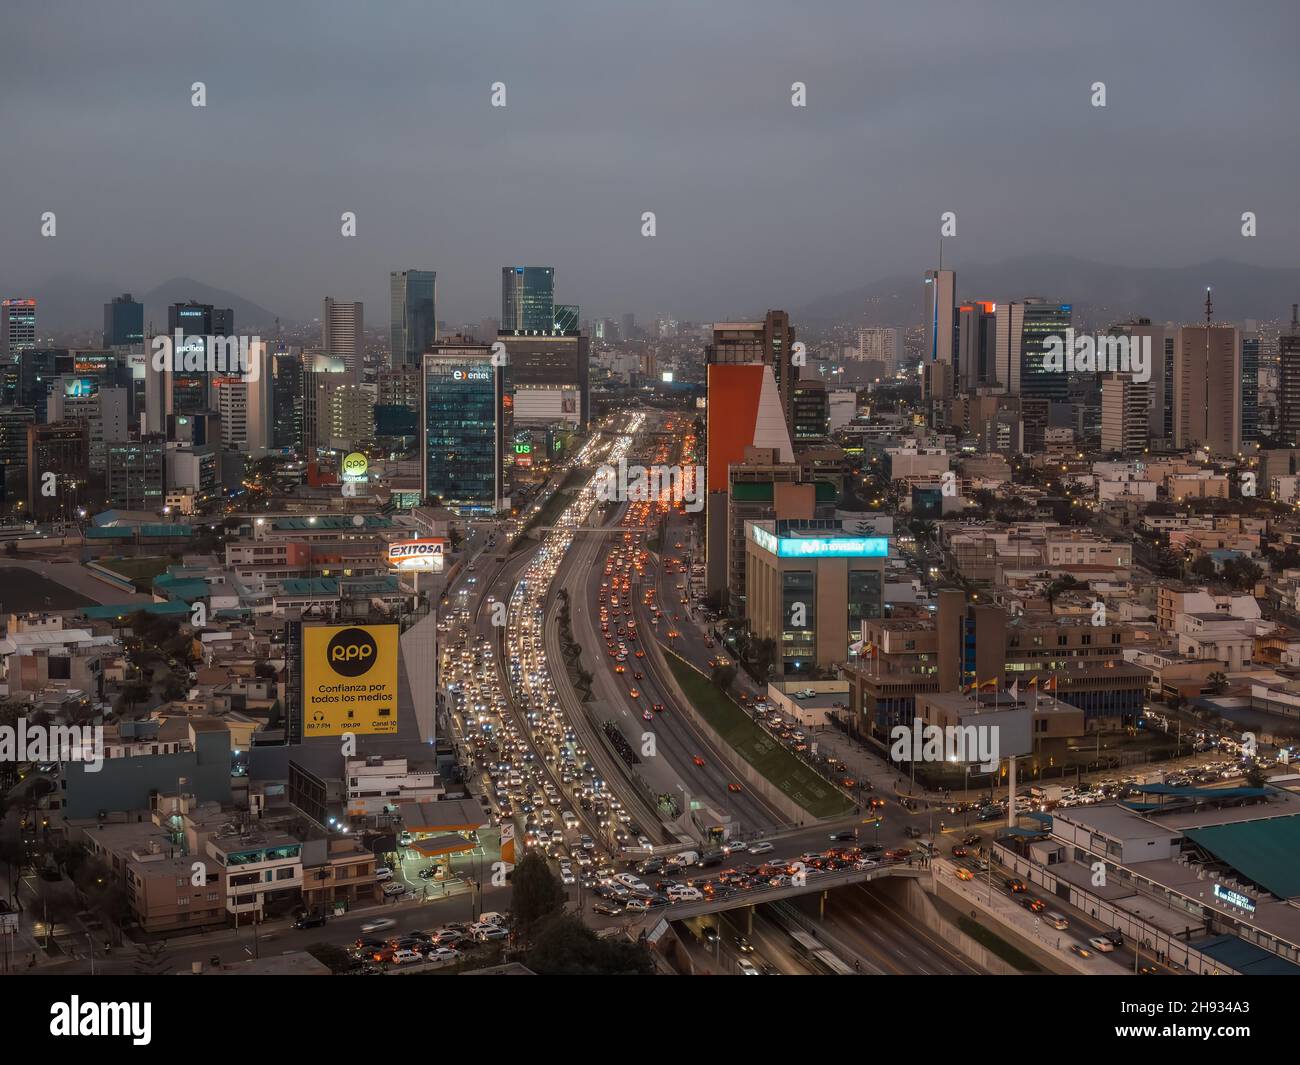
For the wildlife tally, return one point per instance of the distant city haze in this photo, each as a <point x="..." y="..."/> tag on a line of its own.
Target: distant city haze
<point x="683" y="110"/>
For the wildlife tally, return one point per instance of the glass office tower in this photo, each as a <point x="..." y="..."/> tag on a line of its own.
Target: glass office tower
<point x="528" y="300"/>
<point x="413" y="327"/>
<point x="465" y="428"/>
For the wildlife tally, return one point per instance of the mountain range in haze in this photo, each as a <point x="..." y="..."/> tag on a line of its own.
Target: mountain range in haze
<point x="1101" y="293"/>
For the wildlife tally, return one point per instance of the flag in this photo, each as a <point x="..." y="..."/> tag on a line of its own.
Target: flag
<point x="1015" y="689"/>
<point x="1033" y="681"/>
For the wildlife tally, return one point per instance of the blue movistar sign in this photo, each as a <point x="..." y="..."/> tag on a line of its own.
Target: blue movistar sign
<point x="821" y="546"/>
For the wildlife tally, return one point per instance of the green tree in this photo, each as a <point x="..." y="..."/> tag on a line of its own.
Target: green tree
<point x="723" y="676"/>
<point x="564" y="946"/>
<point x="538" y="893"/>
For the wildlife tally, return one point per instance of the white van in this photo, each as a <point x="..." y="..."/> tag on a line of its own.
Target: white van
<point x="1057" y="920"/>
<point x="685" y="858"/>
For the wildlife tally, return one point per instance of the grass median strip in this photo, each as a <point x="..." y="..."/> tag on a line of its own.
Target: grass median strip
<point x="760" y="750"/>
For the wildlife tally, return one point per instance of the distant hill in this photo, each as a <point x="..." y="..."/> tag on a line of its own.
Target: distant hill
<point x="1097" y="290"/>
<point x="70" y="302"/>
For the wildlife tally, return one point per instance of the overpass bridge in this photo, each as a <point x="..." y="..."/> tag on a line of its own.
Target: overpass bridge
<point x="817" y="882"/>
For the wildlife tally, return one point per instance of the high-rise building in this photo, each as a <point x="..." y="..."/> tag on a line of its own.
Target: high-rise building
<point x="342" y="325"/>
<point x="287" y="383"/>
<point x="1125" y="408"/>
<point x="1022" y="331"/>
<point x="58" y="454"/>
<point x="1146" y="332"/>
<point x="628" y="331"/>
<point x="881" y="344"/>
<point x="414" y="324"/>
<point x="1288" y="388"/>
<point x="811" y="412"/>
<point x="770" y="343"/>
<point x="549" y="379"/>
<point x="528" y="300"/>
<point x="244" y="405"/>
<point x="321" y="375"/>
<point x="977" y="345"/>
<point x="200" y="319"/>
<point x="1207" y="388"/>
<point x="1250" y="386"/>
<point x="136" y="473"/>
<point x="17" y="326"/>
<point x="123" y="323"/>
<point x="465" y="427"/>
<point x="938" y="306"/>
<point x="352" y="417"/>
<point x="397" y="404"/>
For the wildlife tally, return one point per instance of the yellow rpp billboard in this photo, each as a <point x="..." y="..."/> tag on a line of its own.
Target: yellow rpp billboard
<point x="349" y="679"/>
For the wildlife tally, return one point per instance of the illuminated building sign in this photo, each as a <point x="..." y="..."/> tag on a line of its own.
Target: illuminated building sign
<point x="820" y="546"/>
<point x="427" y="554"/>
<point x="79" y="387"/>
<point x="355" y="467"/>
<point x="1233" y="898"/>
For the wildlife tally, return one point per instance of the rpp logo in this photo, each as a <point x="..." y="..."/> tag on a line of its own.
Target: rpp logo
<point x="351" y="652"/>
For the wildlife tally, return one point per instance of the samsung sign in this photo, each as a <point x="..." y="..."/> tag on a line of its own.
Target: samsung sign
<point x="821" y="546"/>
<point x="1234" y="898"/>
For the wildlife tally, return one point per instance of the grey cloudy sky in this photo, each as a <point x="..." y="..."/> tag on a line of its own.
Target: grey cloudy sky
<point x="683" y="109"/>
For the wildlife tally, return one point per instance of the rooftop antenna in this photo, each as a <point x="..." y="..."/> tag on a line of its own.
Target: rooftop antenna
<point x="1209" y="306"/>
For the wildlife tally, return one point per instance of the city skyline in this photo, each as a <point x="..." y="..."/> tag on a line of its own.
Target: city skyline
<point x="565" y="170"/>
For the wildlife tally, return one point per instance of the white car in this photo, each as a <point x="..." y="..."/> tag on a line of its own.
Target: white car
<point x="760" y="848"/>
<point x="748" y="968"/>
<point x="567" y="877"/>
<point x="394" y="889"/>
<point x="684" y="893"/>
<point x="400" y="957"/>
<point x="383" y="873"/>
<point x="492" y="917"/>
<point x="490" y="932"/>
<point x="1101" y="944"/>
<point x="443" y="954"/>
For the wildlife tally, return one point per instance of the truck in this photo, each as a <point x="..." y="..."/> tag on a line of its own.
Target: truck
<point x="1047" y="793"/>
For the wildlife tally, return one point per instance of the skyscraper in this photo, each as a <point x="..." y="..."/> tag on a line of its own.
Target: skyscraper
<point x="123" y="322"/>
<point x="1207" y="388"/>
<point x="1125" y="406"/>
<point x="528" y="300"/>
<point x="938" y="316"/>
<point x="287" y="401"/>
<point x="17" y="326"/>
<point x="1288" y="388"/>
<point x="414" y="323"/>
<point x="1022" y="330"/>
<point x="976" y="345"/>
<point x="341" y="327"/>
<point x="769" y="342"/>
<point x="1250" y="385"/>
<point x="465" y="426"/>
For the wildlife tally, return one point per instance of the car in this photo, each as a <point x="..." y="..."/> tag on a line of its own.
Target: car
<point x="743" y="945"/>
<point x="710" y="934"/>
<point x="608" y="909"/>
<point x="1057" y="920"/>
<point x="844" y="834"/>
<point x="567" y="877"/>
<point x="406" y="954"/>
<point x="1015" y="886"/>
<point x="748" y="968"/>
<point x="636" y="905"/>
<point x="378" y="924"/>
<point x="971" y="839"/>
<point x="734" y="787"/>
<point x="383" y="873"/>
<point x="310" y="920"/>
<point x="443" y="954"/>
<point x="697" y="760"/>
<point x="394" y="889"/>
<point x="1081" y="950"/>
<point x="1102" y="944"/>
<point x="965" y="874"/>
<point x="959" y="852"/>
<point x="658" y="708"/>
<point x="490" y="932"/>
<point x="427" y="873"/>
<point x="1033" y="905"/>
<point x="761" y="847"/>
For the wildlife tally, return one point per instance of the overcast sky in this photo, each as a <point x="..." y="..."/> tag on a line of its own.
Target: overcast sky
<point x="613" y="109"/>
